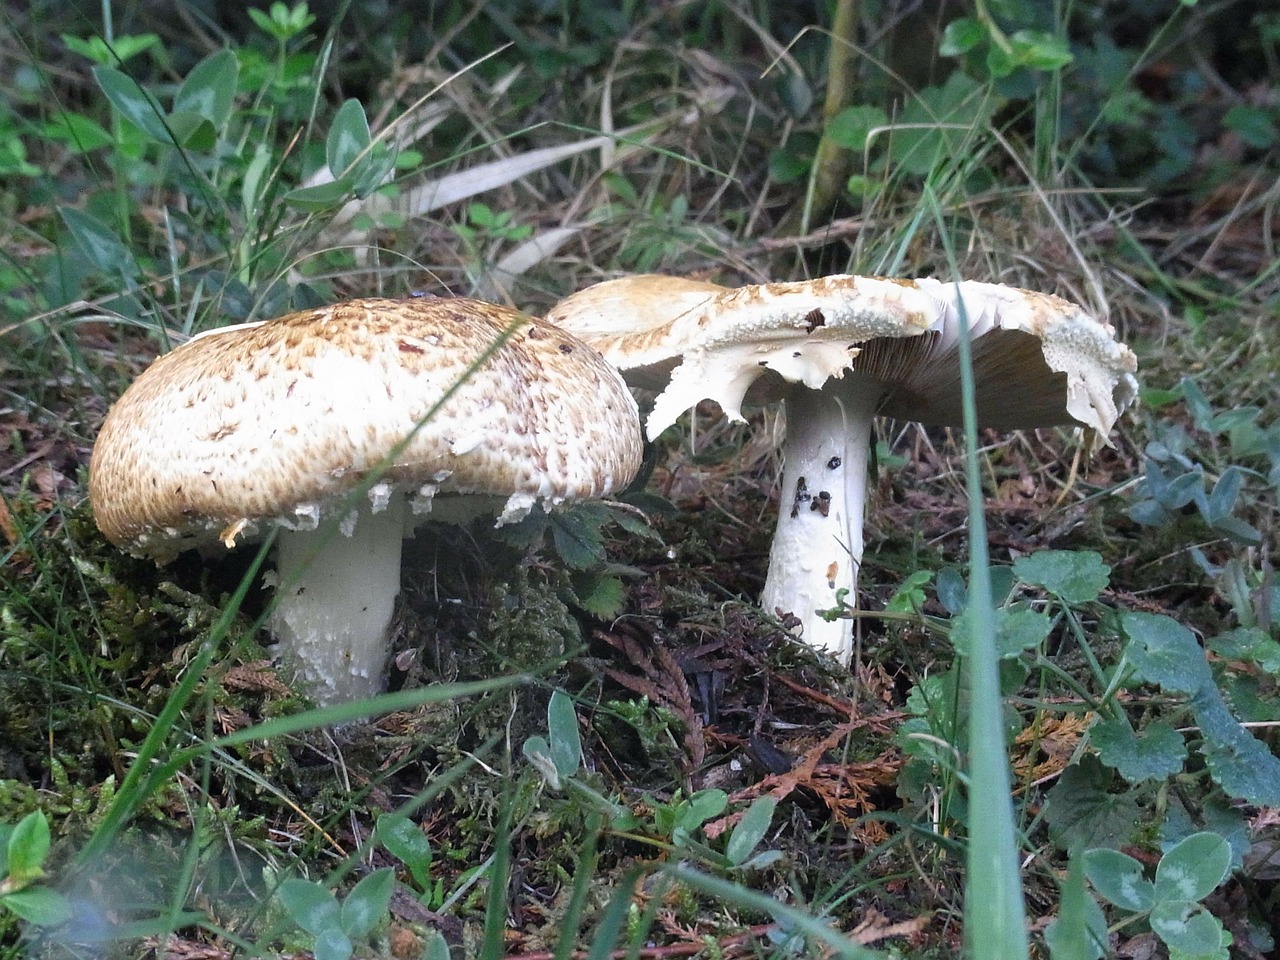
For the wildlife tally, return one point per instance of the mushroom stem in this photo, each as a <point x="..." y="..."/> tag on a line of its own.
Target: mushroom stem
<point x="337" y="593"/>
<point x="817" y="547"/>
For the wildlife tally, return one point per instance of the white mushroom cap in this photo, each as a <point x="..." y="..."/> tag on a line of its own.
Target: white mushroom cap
<point x="861" y="346"/>
<point x="277" y="422"/>
<point x="422" y="402"/>
<point x="739" y="344"/>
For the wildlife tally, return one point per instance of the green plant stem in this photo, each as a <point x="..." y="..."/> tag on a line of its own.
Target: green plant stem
<point x="831" y="161"/>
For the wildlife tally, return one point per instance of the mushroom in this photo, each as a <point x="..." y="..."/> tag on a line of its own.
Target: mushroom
<point x="371" y="414"/>
<point x="840" y="350"/>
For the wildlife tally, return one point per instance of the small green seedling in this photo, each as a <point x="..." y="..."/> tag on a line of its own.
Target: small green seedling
<point x="558" y="755"/>
<point x="1186" y="874"/>
<point x="403" y="839"/>
<point x="334" y="925"/>
<point x="23" y="848"/>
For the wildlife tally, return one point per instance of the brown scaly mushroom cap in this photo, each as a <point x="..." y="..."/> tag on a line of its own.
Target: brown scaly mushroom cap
<point x="279" y="422"/>
<point x="840" y="350"/>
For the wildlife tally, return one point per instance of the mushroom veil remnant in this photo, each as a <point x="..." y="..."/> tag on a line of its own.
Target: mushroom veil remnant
<point x="345" y="413"/>
<point x="840" y="350"/>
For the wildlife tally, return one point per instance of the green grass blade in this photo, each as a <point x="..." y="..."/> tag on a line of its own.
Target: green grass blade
<point x="995" y="919"/>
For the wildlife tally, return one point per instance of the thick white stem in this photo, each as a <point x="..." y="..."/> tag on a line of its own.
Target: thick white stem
<point x="817" y="547"/>
<point x="336" y="602"/>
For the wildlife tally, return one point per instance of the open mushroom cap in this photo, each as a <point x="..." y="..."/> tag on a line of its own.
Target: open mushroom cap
<point x="277" y="422"/>
<point x="1039" y="360"/>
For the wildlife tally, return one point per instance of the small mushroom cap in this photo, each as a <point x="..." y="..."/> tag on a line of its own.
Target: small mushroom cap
<point x="279" y="421"/>
<point x="1039" y="360"/>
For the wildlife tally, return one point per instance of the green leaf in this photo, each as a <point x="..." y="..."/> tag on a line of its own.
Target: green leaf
<point x="1040" y="50"/>
<point x="538" y="752"/>
<point x="1017" y="630"/>
<point x="210" y="88"/>
<point x="1243" y="643"/>
<point x="910" y="597"/>
<point x="564" y="739"/>
<point x="938" y="122"/>
<point x="38" y="905"/>
<point x="1193" y="868"/>
<point x="1197" y="403"/>
<point x="437" y="947"/>
<point x="1076" y="576"/>
<point x="1239" y="531"/>
<point x="1119" y="879"/>
<point x="787" y="165"/>
<point x="1082" y="812"/>
<point x="192" y="131"/>
<point x="405" y="841"/>
<point x="310" y="906"/>
<point x="348" y="138"/>
<point x="1154" y="753"/>
<point x="1240" y="763"/>
<point x="1225" y="492"/>
<point x="750" y="830"/>
<point x="102" y="248"/>
<point x="332" y="944"/>
<point x="1164" y="652"/>
<point x="27" y="847"/>
<point x="132" y="102"/>
<point x="368" y="903"/>
<point x="961" y="36"/>
<point x="77" y="131"/>
<point x="321" y="197"/>
<point x="1079" y="931"/>
<point x="700" y="808"/>
<point x="1255" y="125"/>
<point x="852" y="126"/>
<point x="577" y="537"/>
<point x="122" y="47"/>
<point x="371" y="174"/>
<point x="600" y="595"/>
<point x="1185" y="925"/>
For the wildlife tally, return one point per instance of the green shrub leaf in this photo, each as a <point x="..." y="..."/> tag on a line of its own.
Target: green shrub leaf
<point x="750" y="830"/>
<point x="104" y="250"/>
<point x="1076" y="576"/>
<point x="1016" y="630"/>
<point x="368" y="902"/>
<point x="405" y="841"/>
<point x="1119" y="879"/>
<point x="348" y="138"/>
<point x="961" y="36"/>
<point x="310" y="906"/>
<point x="210" y="88"/>
<point x="1153" y="753"/>
<point x="38" y="905"/>
<point x="1192" y="868"/>
<point x="851" y="127"/>
<point x="1082" y="812"/>
<point x="27" y="847"/>
<point x="132" y="102"/>
<point x="1186" y="926"/>
<point x="564" y="740"/>
<point x="1164" y="652"/>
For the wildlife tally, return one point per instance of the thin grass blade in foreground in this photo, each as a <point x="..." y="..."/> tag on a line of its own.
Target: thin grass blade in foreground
<point x="995" y="924"/>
